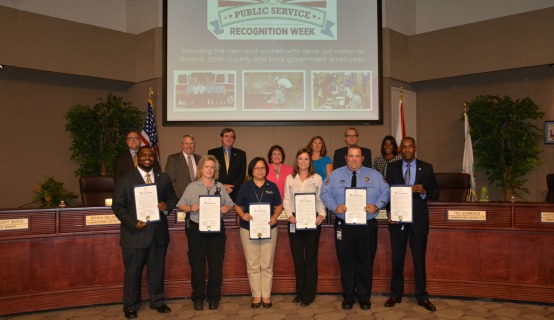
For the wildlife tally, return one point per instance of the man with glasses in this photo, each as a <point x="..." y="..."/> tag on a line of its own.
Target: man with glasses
<point x="126" y="161"/>
<point x="351" y="138"/>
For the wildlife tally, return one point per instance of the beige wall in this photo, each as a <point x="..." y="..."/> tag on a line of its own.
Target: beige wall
<point x="53" y="64"/>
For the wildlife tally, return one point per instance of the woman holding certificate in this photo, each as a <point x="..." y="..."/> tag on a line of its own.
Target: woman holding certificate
<point x="258" y="205"/>
<point x="205" y="200"/>
<point x="305" y="212"/>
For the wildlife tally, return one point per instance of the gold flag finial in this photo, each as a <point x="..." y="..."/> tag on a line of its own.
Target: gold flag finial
<point x="465" y="107"/>
<point x="401" y="93"/>
<point x="150" y="92"/>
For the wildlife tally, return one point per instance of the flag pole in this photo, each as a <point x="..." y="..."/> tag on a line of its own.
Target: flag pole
<point x="149" y="133"/>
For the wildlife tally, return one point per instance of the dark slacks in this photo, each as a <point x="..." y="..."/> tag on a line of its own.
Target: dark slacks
<point x="418" y="245"/>
<point x="356" y="253"/>
<point x="304" y="245"/>
<point x="202" y="246"/>
<point x="134" y="260"/>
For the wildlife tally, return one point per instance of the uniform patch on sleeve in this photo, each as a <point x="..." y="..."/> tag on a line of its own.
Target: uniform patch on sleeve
<point x="327" y="180"/>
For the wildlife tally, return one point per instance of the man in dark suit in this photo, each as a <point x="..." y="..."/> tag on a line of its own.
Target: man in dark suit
<point x="125" y="162"/>
<point x="420" y="176"/>
<point x="177" y="165"/>
<point x="232" y="162"/>
<point x="351" y="137"/>
<point x="143" y="243"/>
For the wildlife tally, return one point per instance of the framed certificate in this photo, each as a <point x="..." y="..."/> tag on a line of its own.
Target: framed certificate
<point x="355" y="202"/>
<point x="146" y="202"/>
<point x="306" y="213"/>
<point x="401" y="203"/>
<point x="209" y="215"/>
<point x="259" y="225"/>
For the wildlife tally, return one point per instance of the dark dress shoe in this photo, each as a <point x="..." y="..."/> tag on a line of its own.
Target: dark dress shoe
<point x="392" y="301"/>
<point x="256" y="305"/>
<point x="198" y="305"/>
<point x="427" y="305"/>
<point x="162" y="309"/>
<point x="347" y="305"/>
<point x="297" y="299"/>
<point x="130" y="314"/>
<point x="365" y="305"/>
<point x="213" y="305"/>
<point x="267" y="304"/>
<point x="306" y="303"/>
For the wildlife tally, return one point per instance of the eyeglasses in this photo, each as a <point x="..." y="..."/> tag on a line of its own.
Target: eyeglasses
<point x="133" y="138"/>
<point x="259" y="168"/>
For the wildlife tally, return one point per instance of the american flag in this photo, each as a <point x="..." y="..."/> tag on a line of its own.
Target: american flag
<point x="149" y="133"/>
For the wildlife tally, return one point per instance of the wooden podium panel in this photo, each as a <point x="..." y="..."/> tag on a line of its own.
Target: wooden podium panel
<point x="59" y="261"/>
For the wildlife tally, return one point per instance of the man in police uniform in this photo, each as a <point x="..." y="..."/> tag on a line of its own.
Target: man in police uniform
<point x="356" y="244"/>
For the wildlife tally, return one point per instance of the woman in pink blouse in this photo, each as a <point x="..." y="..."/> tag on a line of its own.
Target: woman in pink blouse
<point x="278" y="171"/>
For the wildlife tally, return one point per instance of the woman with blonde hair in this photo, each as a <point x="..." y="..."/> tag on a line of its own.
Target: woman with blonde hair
<point x="205" y="246"/>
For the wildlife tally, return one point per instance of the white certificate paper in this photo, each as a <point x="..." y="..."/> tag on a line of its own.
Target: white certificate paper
<point x="305" y="211"/>
<point x="259" y="226"/>
<point x="355" y="202"/>
<point x="146" y="202"/>
<point x="401" y="203"/>
<point x="209" y="216"/>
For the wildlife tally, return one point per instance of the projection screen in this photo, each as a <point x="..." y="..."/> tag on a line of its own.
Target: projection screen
<point x="258" y="62"/>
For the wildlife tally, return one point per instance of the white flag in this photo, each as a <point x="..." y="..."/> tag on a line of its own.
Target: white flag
<point x="467" y="166"/>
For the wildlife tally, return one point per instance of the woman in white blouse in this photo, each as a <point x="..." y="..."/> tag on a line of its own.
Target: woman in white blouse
<point x="304" y="244"/>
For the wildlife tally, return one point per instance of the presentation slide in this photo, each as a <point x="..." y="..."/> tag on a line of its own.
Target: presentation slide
<point x="272" y="61"/>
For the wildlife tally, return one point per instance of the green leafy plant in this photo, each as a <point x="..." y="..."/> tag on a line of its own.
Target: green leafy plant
<point x="484" y="194"/>
<point x="98" y="133"/>
<point x="506" y="143"/>
<point x="51" y="193"/>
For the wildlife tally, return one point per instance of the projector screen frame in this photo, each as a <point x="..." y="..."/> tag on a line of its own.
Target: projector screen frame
<point x="220" y="122"/>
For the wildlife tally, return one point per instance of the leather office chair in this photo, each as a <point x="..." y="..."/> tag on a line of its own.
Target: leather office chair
<point x="453" y="186"/>
<point x="550" y="185"/>
<point x="95" y="189"/>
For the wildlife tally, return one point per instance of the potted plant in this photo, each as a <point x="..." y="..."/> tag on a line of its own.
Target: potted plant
<point x="98" y="133"/>
<point x="51" y="193"/>
<point x="506" y="143"/>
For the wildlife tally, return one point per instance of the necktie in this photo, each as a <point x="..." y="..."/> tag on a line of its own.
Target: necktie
<point x="191" y="168"/>
<point x="227" y="159"/>
<point x="147" y="176"/>
<point x="353" y="182"/>
<point x="135" y="158"/>
<point x="407" y="175"/>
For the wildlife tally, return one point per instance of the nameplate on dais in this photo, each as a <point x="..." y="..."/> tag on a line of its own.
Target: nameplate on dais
<point x="181" y="216"/>
<point x="99" y="220"/>
<point x="382" y="215"/>
<point x="14" y="224"/>
<point x="547" y="217"/>
<point x="464" y="215"/>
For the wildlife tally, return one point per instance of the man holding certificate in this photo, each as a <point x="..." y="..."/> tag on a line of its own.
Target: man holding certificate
<point x="356" y="194"/>
<point x="420" y="179"/>
<point x="205" y="200"/>
<point x="147" y="194"/>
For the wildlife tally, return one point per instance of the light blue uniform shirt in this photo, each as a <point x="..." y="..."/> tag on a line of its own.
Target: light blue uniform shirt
<point x="378" y="191"/>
